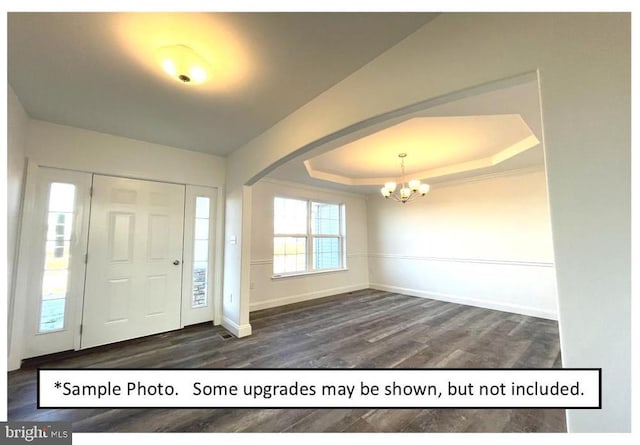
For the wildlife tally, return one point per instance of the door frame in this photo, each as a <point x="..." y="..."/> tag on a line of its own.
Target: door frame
<point x="18" y="304"/>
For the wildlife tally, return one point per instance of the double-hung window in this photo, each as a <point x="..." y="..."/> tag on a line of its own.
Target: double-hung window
<point x="308" y="236"/>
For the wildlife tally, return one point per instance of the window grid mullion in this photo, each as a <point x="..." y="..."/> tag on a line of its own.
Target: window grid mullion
<point x="310" y="265"/>
<point x="341" y="229"/>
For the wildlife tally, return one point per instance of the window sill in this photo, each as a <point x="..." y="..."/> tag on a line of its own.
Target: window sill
<point x="304" y="274"/>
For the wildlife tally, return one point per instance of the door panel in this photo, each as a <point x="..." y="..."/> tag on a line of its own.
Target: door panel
<point x="133" y="287"/>
<point x="121" y="228"/>
<point x="118" y="296"/>
<point x="156" y="295"/>
<point x="157" y="236"/>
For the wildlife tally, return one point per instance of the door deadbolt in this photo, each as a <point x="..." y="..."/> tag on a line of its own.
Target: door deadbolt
<point x="176" y="262"/>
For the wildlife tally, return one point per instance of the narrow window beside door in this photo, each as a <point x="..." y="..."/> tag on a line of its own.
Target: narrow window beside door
<point x="201" y="253"/>
<point x="57" y="256"/>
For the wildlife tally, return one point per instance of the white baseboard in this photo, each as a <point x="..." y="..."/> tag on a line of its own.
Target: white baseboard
<point x="495" y="305"/>
<point x="236" y="329"/>
<point x="274" y="302"/>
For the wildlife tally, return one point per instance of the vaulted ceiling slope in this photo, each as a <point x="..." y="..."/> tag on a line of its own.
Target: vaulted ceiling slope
<point x="98" y="70"/>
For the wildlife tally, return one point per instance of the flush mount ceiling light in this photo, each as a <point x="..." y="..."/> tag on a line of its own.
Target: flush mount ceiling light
<point x="183" y="64"/>
<point x="408" y="191"/>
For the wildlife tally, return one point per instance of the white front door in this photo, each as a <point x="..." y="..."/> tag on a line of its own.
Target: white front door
<point x="134" y="267"/>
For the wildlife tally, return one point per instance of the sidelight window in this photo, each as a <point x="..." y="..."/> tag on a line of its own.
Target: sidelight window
<point x="201" y="253"/>
<point x="57" y="256"/>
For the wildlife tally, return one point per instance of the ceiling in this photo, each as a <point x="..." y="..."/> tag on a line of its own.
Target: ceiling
<point x="481" y="133"/>
<point x="99" y="71"/>
<point x="434" y="142"/>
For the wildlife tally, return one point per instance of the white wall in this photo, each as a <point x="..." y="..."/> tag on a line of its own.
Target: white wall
<point x="484" y="242"/>
<point x="17" y="121"/>
<point x="74" y="148"/>
<point x="237" y="245"/>
<point x="270" y="292"/>
<point x="584" y="61"/>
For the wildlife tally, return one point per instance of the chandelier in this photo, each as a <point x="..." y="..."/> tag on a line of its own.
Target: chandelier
<point x="408" y="191"/>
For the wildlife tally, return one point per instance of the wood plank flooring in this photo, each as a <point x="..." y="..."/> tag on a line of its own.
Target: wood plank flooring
<point x="360" y="329"/>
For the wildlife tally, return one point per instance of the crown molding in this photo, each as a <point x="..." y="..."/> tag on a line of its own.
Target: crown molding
<point x="489" y="176"/>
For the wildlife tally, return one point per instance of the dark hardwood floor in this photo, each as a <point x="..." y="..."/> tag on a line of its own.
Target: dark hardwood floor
<point x="361" y="329"/>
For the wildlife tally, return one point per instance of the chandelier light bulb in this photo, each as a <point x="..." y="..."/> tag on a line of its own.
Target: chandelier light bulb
<point x="414" y="185"/>
<point x="424" y="189"/>
<point x="391" y="186"/>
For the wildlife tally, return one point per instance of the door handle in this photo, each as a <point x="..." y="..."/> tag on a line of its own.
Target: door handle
<point x="176" y="262"/>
